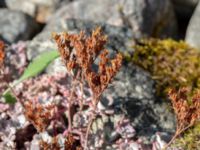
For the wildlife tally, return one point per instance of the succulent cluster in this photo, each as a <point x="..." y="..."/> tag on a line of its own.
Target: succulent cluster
<point x="13" y="61"/>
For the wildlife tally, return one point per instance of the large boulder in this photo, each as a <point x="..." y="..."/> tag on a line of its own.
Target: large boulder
<point x="154" y="18"/>
<point x="122" y="22"/>
<point x="16" y="26"/>
<point x="193" y="30"/>
<point x="133" y="93"/>
<point x="41" y="10"/>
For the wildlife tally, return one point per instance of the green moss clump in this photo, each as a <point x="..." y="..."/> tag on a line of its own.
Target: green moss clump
<point x="190" y="140"/>
<point x="172" y="64"/>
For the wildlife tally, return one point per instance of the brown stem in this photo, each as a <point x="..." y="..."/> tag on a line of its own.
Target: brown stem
<point x="175" y="136"/>
<point x="70" y="115"/>
<point x="92" y="118"/>
<point x="69" y="109"/>
<point x="88" y="130"/>
<point x="81" y="86"/>
<point x="80" y="133"/>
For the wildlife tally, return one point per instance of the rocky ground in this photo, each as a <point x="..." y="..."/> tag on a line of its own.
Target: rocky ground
<point x="27" y="26"/>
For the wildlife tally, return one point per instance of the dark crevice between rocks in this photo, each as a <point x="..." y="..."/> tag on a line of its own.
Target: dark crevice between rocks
<point x="137" y="110"/>
<point x="38" y="30"/>
<point x="24" y="135"/>
<point x="182" y="26"/>
<point x="183" y="20"/>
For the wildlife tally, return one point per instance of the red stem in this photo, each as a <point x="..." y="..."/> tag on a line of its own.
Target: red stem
<point x="92" y="118"/>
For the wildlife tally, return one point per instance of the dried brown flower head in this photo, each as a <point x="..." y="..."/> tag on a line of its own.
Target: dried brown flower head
<point x="99" y="81"/>
<point x="187" y="112"/>
<point x="40" y="116"/>
<point x="79" y="52"/>
<point x="54" y="145"/>
<point x="2" y="53"/>
<point x="71" y="143"/>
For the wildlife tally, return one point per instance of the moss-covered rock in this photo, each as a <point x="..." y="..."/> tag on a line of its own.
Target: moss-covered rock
<point x="172" y="64"/>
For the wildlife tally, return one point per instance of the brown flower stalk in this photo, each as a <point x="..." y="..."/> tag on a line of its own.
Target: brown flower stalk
<point x="79" y="53"/>
<point x="186" y="114"/>
<point x="2" y="53"/>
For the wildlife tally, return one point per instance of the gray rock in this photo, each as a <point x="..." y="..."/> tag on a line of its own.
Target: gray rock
<point x="119" y="38"/>
<point x="16" y="26"/>
<point x="56" y="66"/>
<point x="193" y="30"/>
<point x="185" y="8"/>
<point x="134" y="92"/>
<point x="41" y="10"/>
<point x="25" y="6"/>
<point x="152" y="17"/>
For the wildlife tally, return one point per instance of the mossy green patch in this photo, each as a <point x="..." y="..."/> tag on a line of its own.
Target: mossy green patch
<point x="190" y="140"/>
<point x="172" y="64"/>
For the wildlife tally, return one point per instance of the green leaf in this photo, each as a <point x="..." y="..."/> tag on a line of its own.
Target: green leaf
<point x="9" y="98"/>
<point x="39" y="64"/>
<point x="34" y="68"/>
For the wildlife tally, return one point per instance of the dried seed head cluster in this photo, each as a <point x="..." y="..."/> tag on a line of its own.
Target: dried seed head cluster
<point x="70" y="143"/>
<point x="54" y="145"/>
<point x="39" y="115"/>
<point x="79" y="52"/>
<point x="186" y="113"/>
<point x="2" y="54"/>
